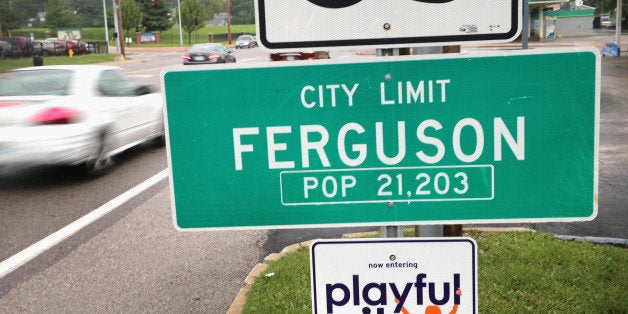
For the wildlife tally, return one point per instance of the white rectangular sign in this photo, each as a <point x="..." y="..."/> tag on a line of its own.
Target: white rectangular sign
<point x="419" y="275"/>
<point x="290" y="24"/>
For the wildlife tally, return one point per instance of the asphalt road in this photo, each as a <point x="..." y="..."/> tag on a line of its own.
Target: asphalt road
<point x="133" y="260"/>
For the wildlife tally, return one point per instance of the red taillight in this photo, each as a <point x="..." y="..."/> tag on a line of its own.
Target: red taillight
<point x="213" y="56"/>
<point x="55" y="115"/>
<point x="186" y="57"/>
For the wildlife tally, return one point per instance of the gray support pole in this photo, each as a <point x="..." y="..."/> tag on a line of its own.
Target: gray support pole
<point x="180" y="31"/>
<point x="116" y="7"/>
<point x="104" y="10"/>
<point x="390" y="231"/>
<point x="618" y="24"/>
<point x="525" y="22"/>
<point x="431" y="231"/>
<point x="541" y="23"/>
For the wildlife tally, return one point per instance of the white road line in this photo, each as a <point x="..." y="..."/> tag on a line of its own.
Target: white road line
<point x="23" y="257"/>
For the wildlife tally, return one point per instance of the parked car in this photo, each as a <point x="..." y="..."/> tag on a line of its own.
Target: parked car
<point x="79" y="46"/>
<point x="5" y="47"/>
<point x="291" y="56"/>
<point x="91" y="48"/>
<point x="79" y="115"/>
<point x="245" y="41"/>
<point x="606" y="21"/>
<point x="208" y="54"/>
<point x="65" y="45"/>
<point x="46" y="48"/>
<point x="19" y="47"/>
<point x="58" y="46"/>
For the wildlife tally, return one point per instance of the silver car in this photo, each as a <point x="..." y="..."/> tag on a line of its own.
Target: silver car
<point x="245" y="41"/>
<point x="74" y="115"/>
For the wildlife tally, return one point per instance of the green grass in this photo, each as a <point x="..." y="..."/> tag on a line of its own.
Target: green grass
<point x="287" y="291"/>
<point x="9" y="64"/>
<point x="518" y="272"/>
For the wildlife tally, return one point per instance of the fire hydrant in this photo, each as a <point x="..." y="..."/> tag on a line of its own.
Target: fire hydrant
<point x="71" y="53"/>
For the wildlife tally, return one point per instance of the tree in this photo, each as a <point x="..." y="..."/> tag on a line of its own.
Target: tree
<point x="91" y="11"/>
<point x="10" y="16"/>
<point x="610" y="6"/>
<point x="242" y="12"/>
<point x="131" y="15"/>
<point x="214" y="6"/>
<point x="156" y="15"/>
<point x="59" y="14"/>
<point x="191" y="11"/>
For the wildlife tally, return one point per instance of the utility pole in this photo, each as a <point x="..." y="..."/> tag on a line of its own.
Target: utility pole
<point x="117" y="19"/>
<point x="228" y="23"/>
<point x="180" y="31"/>
<point x="104" y="12"/>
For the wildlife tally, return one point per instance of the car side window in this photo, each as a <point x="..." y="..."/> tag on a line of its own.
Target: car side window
<point x="113" y="84"/>
<point x="35" y="82"/>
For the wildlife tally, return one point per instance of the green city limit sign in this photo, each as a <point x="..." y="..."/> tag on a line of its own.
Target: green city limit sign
<point x="489" y="138"/>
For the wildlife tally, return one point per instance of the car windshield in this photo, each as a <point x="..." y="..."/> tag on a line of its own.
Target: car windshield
<point x="35" y="82"/>
<point x="203" y="48"/>
<point x="244" y="38"/>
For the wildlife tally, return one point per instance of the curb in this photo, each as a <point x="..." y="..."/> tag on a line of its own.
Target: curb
<point x="238" y="303"/>
<point x="596" y="240"/>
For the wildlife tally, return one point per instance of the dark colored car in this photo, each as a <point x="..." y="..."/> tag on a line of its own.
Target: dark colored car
<point x="16" y="47"/>
<point x="5" y="48"/>
<point x="208" y="54"/>
<point x="291" y="56"/>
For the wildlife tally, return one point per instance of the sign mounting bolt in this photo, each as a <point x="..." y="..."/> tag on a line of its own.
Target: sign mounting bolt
<point x="387" y="26"/>
<point x="387" y="77"/>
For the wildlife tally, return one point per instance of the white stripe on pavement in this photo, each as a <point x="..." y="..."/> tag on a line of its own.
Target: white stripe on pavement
<point x="23" y="257"/>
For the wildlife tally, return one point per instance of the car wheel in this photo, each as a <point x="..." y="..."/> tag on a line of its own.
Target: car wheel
<point x="101" y="163"/>
<point x="45" y="53"/>
<point x="159" y="141"/>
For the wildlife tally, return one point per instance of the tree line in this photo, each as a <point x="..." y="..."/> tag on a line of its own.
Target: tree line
<point x="149" y="15"/>
<point x="137" y="15"/>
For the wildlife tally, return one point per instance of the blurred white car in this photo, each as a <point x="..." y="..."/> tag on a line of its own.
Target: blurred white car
<point x="74" y="115"/>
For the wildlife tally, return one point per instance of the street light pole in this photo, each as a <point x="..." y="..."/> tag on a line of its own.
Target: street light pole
<point x="104" y="10"/>
<point x="228" y="23"/>
<point x="180" y="32"/>
<point x="117" y="19"/>
<point x="116" y="27"/>
<point x="618" y="17"/>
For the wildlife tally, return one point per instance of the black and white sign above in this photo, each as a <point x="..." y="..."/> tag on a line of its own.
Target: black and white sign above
<point x="291" y="24"/>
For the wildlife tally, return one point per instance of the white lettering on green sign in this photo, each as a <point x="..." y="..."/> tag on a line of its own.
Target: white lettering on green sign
<point x="501" y="132"/>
